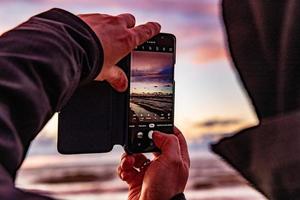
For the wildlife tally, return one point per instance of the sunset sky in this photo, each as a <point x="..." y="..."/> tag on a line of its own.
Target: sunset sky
<point x="209" y="97"/>
<point x="151" y="72"/>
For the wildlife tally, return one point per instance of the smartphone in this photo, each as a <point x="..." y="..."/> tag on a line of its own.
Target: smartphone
<point x="151" y="92"/>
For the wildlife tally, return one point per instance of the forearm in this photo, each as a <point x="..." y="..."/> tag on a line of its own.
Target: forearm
<point x="42" y="62"/>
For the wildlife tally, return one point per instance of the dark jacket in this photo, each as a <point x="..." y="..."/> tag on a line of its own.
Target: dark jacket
<point x="264" y="41"/>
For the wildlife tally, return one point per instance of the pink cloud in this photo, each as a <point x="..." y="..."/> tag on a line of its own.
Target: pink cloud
<point x="212" y="49"/>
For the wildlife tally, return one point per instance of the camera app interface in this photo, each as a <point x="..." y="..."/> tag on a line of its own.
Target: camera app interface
<point x="151" y="94"/>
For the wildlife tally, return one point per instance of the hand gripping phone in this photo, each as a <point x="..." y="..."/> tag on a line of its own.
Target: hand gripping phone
<point x="97" y="117"/>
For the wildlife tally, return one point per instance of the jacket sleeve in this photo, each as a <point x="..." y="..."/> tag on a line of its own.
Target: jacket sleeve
<point x="179" y="196"/>
<point x="42" y="61"/>
<point x="269" y="65"/>
<point x="267" y="155"/>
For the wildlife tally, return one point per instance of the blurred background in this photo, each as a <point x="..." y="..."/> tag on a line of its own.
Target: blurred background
<point x="210" y="103"/>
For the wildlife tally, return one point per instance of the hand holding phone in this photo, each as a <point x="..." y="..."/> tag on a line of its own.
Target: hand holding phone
<point x="163" y="177"/>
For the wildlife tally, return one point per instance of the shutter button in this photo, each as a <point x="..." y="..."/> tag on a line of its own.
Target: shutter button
<point x="150" y="133"/>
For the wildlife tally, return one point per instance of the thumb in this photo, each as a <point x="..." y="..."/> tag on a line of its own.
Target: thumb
<point x="167" y="143"/>
<point x="116" y="77"/>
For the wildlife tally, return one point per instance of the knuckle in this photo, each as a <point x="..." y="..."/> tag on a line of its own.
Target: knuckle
<point x="144" y="30"/>
<point x="173" y="139"/>
<point x="130" y="39"/>
<point x="118" y="19"/>
<point x="113" y="20"/>
<point x="175" y="161"/>
<point x="147" y="31"/>
<point x="152" y="27"/>
<point x="131" y="17"/>
<point x="151" y="24"/>
<point x="102" y="17"/>
<point x="125" y="38"/>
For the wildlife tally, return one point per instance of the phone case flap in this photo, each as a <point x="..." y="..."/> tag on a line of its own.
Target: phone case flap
<point x="94" y="119"/>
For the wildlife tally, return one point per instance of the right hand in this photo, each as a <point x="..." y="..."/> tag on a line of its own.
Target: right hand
<point x="118" y="36"/>
<point x="163" y="177"/>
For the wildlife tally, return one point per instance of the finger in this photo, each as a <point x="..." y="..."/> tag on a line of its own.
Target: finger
<point x="168" y="144"/>
<point x="183" y="146"/>
<point x="124" y="155"/>
<point x="144" y="32"/>
<point x="127" y="162"/>
<point x="127" y="19"/>
<point x="128" y="175"/>
<point x="156" y="154"/>
<point x="126" y="166"/>
<point x="116" y="78"/>
<point x="126" y="170"/>
<point x="135" y="160"/>
<point x="139" y="160"/>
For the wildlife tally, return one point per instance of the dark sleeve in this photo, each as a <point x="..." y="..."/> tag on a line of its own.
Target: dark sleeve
<point x="42" y="61"/>
<point x="267" y="156"/>
<point x="263" y="37"/>
<point x="179" y="197"/>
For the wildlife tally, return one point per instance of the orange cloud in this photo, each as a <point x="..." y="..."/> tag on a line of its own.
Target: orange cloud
<point x="220" y="126"/>
<point x="208" y="53"/>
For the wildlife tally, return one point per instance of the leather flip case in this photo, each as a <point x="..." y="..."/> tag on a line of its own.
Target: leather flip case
<point x="95" y="118"/>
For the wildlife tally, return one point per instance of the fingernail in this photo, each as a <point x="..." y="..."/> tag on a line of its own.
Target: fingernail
<point x="122" y="176"/>
<point x="159" y="25"/>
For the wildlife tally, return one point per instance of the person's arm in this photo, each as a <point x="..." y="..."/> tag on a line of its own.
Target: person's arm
<point x="42" y="62"/>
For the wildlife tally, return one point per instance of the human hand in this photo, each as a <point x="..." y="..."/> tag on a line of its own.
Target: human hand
<point x="163" y="177"/>
<point x="118" y="36"/>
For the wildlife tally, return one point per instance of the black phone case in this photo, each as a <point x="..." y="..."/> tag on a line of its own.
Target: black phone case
<point x="102" y="119"/>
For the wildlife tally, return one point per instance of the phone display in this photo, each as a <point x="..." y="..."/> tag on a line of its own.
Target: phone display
<point x="151" y="99"/>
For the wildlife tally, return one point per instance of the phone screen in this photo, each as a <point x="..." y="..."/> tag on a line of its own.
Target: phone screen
<point x="151" y="102"/>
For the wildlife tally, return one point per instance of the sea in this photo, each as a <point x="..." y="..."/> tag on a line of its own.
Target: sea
<point x="93" y="176"/>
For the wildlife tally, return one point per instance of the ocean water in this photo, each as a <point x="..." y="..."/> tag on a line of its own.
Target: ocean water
<point x="94" y="176"/>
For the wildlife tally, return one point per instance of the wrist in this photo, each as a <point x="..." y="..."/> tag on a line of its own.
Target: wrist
<point x="157" y="193"/>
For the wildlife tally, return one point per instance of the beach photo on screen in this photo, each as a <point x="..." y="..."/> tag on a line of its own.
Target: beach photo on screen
<point x="151" y="86"/>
